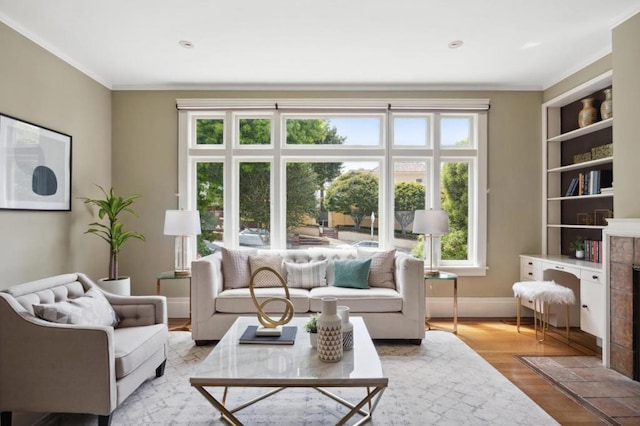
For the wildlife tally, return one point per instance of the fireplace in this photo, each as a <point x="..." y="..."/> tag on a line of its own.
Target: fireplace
<point x="621" y="345"/>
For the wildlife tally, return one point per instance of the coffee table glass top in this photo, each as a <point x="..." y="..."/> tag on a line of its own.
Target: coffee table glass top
<point x="235" y="364"/>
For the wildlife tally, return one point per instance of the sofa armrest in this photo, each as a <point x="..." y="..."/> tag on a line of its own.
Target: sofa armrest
<point x="409" y="277"/>
<point x="42" y="367"/>
<point x="136" y="311"/>
<point x="206" y="284"/>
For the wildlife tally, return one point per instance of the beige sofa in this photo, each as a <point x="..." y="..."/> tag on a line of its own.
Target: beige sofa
<point x="51" y="367"/>
<point x="389" y="313"/>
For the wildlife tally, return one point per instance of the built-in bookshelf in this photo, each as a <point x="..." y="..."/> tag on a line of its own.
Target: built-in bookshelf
<point x="578" y="170"/>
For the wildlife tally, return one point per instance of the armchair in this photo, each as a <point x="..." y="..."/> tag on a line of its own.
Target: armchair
<point x="73" y="368"/>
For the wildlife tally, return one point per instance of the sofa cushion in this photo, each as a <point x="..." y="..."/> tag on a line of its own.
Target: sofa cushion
<point x="238" y="300"/>
<point x="306" y="275"/>
<point x="265" y="278"/>
<point x="358" y="300"/>
<point x="382" y="266"/>
<point x="235" y="267"/>
<point x="352" y="273"/>
<point x="134" y="345"/>
<point x="91" y="309"/>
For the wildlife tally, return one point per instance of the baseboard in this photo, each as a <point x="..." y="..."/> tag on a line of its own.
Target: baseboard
<point x="474" y="307"/>
<point x="178" y="307"/>
<point x="437" y="307"/>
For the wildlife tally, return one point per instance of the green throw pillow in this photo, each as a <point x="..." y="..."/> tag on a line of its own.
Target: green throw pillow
<point x="352" y="273"/>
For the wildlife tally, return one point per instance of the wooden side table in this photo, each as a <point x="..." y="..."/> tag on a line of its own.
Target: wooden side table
<point x="446" y="276"/>
<point x="171" y="275"/>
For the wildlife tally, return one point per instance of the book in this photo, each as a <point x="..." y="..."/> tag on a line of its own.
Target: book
<point x="572" y="187"/>
<point x="287" y="337"/>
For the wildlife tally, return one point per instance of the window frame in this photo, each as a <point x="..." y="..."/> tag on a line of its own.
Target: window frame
<point x="278" y="153"/>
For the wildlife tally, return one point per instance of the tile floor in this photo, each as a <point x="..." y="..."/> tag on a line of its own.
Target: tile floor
<point x="607" y="393"/>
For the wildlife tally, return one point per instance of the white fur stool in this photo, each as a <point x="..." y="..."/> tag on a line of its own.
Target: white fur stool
<point x="543" y="294"/>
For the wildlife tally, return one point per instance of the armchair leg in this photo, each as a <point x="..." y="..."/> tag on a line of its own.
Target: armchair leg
<point x="104" y="420"/>
<point x="160" y="369"/>
<point x="5" y="418"/>
<point x="416" y="342"/>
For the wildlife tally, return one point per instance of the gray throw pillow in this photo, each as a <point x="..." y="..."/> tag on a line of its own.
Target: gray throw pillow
<point x="91" y="309"/>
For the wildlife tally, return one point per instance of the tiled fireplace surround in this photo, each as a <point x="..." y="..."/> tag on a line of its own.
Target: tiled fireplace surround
<point x="623" y="237"/>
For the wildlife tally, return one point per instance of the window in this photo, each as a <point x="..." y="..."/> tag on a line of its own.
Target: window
<point x="338" y="173"/>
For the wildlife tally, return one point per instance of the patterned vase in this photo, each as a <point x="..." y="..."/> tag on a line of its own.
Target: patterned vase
<point x="329" y="331"/>
<point x="606" y="107"/>
<point x="588" y="114"/>
<point x="347" y="328"/>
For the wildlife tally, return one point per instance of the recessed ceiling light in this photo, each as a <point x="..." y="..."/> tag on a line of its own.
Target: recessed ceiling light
<point x="186" y="44"/>
<point x="455" y="44"/>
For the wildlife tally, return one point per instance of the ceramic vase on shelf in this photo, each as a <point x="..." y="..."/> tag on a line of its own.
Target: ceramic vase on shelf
<point x="606" y="107"/>
<point x="347" y="328"/>
<point x="329" y="331"/>
<point x="588" y="114"/>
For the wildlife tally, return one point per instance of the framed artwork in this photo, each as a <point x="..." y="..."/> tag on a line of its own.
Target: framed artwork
<point x="35" y="167"/>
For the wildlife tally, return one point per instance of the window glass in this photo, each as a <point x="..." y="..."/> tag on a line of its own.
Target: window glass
<point x="210" y="131"/>
<point x="455" y="201"/>
<point x="255" y="204"/>
<point x="331" y="204"/>
<point x="255" y="131"/>
<point x="455" y="131"/>
<point x="409" y="195"/>
<point x="411" y="131"/>
<point x="332" y="130"/>
<point x="210" y="191"/>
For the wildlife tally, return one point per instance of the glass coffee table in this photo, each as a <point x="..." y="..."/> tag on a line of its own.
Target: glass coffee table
<point x="232" y="364"/>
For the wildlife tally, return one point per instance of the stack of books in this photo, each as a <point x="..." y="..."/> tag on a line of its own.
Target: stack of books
<point x="593" y="251"/>
<point x="589" y="183"/>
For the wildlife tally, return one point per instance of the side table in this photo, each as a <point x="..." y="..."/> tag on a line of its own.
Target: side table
<point x="446" y="276"/>
<point x="171" y="275"/>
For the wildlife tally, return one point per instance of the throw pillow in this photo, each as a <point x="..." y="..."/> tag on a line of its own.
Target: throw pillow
<point x="265" y="278"/>
<point x="235" y="267"/>
<point x="306" y="275"/>
<point x="91" y="309"/>
<point x="352" y="273"/>
<point x="382" y="268"/>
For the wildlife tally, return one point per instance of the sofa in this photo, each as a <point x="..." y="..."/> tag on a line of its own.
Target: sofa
<point x="66" y="346"/>
<point x="392" y="305"/>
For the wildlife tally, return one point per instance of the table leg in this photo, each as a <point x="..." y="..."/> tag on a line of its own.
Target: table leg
<point x="455" y="306"/>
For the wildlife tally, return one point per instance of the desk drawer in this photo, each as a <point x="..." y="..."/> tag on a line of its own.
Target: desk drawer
<point x="528" y="262"/>
<point x="596" y="277"/>
<point x="529" y="273"/>
<point x="576" y="272"/>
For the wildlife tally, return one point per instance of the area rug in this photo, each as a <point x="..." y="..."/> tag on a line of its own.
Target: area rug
<point x="442" y="381"/>
<point x="608" y="394"/>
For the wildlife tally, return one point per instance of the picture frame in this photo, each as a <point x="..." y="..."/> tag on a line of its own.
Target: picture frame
<point x="600" y="216"/>
<point x="35" y="166"/>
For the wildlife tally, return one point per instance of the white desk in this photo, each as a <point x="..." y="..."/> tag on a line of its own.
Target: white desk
<point x="586" y="279"/>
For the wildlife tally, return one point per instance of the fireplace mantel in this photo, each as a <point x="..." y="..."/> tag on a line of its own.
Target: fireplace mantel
<point x="623" y="227"/>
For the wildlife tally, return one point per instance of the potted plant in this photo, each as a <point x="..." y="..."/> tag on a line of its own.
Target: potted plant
<point x="578" y="246"/>
<point x="311" y="327"/>
<point x="110" y="207"/>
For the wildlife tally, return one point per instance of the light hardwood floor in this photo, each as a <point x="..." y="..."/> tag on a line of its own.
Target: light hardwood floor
<point x="497" y="341"/>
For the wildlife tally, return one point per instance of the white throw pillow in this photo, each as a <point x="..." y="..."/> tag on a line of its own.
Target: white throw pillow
<point x="382" y="267"/>
<point x="91" y="309"/>
<point x="235" y="267"/>
<point x="265" y="278"/>
<point x="306" y="275"/>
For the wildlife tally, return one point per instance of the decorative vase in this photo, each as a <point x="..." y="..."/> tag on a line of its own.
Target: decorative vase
<point x="347" y="328"/>
<point x="588" y="114"/>
<point x="329" y="331"/>
<point x="606" y="107"/>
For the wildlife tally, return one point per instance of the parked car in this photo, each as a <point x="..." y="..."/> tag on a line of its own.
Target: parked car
<point x="365" y="243"/>
<point x="253" y="237"/>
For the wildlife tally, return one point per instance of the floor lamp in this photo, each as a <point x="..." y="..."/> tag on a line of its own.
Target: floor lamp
<point x="430" y="222"/>
<point x="182" y="224"/>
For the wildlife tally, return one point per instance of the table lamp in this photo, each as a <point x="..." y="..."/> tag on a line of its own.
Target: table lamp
<point x="182" y="224"/>
<point x="431" y="222"/>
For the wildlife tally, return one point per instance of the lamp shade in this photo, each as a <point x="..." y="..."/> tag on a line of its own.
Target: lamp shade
<point x="435" y="222"/>
<point x="182" y="222"/>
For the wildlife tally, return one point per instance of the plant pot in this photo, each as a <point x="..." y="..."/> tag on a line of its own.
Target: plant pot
<point x="121" y="286"/>
<point x="579" y="254"/>
<point x="313" y="339"/>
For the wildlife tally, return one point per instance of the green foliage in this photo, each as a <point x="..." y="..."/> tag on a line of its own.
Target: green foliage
<point x="210" y="131"/>
<point x="255" y="195"/>
<point x="455" y="201"/>
<point x="301" y="186"/>
<point x="113" y="233"/>
<point x="312" y="325"/>
<point x="409" y="197"/>
<point x="577" y="244"/>
<point x="255" y="131"/>
<point x="354" y="193"/>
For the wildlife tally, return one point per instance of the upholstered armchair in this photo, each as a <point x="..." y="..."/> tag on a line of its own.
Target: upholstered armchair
<point x="77" y="364"/>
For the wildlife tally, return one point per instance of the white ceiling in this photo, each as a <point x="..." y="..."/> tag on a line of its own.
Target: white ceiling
<point x="339" y="44"/>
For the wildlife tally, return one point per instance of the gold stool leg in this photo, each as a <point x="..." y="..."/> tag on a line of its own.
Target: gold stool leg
<point x="566" y="316"/>
<point x="518" y="307"/>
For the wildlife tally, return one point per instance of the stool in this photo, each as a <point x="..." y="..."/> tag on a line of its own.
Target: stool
<point x="543" y="294"/>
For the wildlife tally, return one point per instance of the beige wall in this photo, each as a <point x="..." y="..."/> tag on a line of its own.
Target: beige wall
<point x="145" y="161"/>
<point x="626" y="132"/>
<point x="36" y="86"/>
